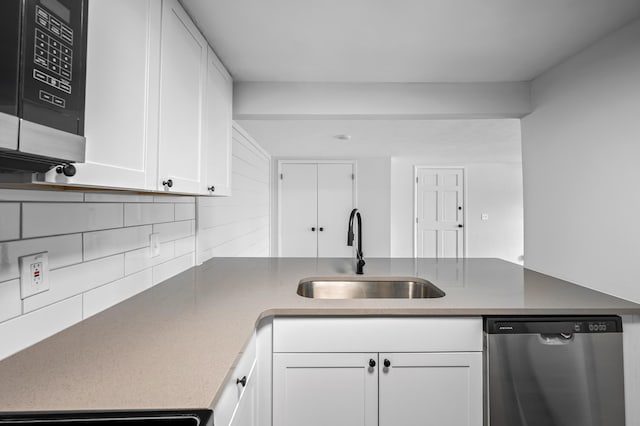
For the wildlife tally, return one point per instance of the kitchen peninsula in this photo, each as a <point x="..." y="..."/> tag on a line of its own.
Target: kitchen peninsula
<point x="174" y="344"/>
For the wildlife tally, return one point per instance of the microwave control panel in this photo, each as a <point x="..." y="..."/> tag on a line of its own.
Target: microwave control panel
<point x="54" y="56"/>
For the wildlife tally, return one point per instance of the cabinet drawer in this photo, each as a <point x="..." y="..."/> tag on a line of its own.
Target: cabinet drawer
<point x="405" y="334"/>
<point x="232" y="391"/>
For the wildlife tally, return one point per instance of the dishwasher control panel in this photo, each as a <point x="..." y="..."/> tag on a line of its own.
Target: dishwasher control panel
<point x="553" y="325"/>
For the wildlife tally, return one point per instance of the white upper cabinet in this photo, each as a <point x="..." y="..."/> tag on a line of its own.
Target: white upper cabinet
<point x="158" y="103"/>
<point x="121" y="96"/>
<point x="183" y="71"/>
<point x="218" y="127"/>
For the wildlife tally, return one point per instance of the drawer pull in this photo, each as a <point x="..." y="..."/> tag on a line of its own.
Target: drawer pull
<point x="242" y="381"/>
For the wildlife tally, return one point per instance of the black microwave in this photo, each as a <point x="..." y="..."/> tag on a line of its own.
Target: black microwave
<point x="42" y="83"/>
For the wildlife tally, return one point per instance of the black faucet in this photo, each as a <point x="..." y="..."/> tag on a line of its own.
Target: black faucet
<point x="359" y="255"/>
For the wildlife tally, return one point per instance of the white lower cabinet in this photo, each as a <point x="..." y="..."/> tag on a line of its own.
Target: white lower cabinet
<point x="237" y="402"/>
<point x="443" y="389"/>
<point x="318" y="389"/>
<point x="440" y="386"/>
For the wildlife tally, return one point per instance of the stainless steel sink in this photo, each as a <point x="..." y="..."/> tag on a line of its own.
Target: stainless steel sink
<point x="368" y="288"/>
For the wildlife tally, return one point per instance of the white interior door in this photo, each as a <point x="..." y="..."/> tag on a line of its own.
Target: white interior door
<point x="439" y="213"/>
<point x="298" y="210"/>
<point x="322" y="389"/>
<point x="443" y="389"/>
<point x="335" y="201"/>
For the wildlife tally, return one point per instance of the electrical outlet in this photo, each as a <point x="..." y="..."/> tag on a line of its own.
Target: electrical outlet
<point x="154" y="244"/>
<point x="485" y="216"/>
<point x="34" y="274"/>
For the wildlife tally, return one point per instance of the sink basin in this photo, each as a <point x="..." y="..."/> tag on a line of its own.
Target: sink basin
<point x="368" y="288"/>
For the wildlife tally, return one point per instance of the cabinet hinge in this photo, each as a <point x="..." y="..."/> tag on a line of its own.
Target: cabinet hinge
<point x="416" y="220"/>
<point x="417" y="180"/>
<point x="281" y="176"/>
<point x="353" y="176"/>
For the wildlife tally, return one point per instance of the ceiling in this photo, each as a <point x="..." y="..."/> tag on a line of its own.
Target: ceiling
<point x="402" y="40"/>
<point x="444" y="141"/>
<point x="424" y="41"/>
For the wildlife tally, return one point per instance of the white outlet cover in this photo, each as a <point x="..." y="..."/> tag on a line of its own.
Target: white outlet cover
<point x="485" y="216"/>
<point x="154" y="244"/>
<point x="34" y="274"/>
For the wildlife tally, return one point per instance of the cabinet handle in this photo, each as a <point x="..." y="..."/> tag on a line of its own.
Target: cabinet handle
<point x="372" y="363"/>
<point x="387" y="363"/>
<point x="321" y="229"/>
<point x="313" y="229"/>
<point x="67" y="169"/>
<point x="242" y="381"/>
<point x="168" y="183"/>
<point x="459" y="225"/>
<point x="211" y="188"/>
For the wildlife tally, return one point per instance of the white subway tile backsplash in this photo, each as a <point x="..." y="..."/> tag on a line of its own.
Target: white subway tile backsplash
<point x="104" y="243"/>
<point x="41" y="219"/>
<point x="10" y="303"/>
<point x="9" y="221"/>
<point x="23" y="331"/>
<point x="72" y="280"/>
<point x="173" y="267"/>
<point x="173" y="199"/>
<point x="185" y="245"/>
<point x="173" y="231"/>
<point x="140" y="259"/>
<point x="29" y="195"/>
<point x="109" y="197"/>
<point x="101" y="298"/>
<point x="185" y="211"/>
<point x="63" y="250"/>
<point x="144" y="214"/>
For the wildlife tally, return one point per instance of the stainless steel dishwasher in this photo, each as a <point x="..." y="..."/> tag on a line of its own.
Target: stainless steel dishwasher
<point x="554" y="371"/>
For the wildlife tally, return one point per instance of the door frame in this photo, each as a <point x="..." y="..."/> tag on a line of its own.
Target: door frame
<point x="416" y="168"/>
<point x="278" y="187"/>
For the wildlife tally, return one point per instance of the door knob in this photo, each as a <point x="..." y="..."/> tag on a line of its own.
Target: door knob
<point x="459" y="225"/>
<point x="211" y="188"/>
<point x="313" y="229"/>
<point x="387" y="363"/>
<point x="372" y="363"/>
<point x="321" y="229"/>
<point x="168" y="183"/>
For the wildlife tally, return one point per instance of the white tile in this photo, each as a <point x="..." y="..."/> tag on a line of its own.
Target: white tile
<point x="101" y="298"/>
<point x="140" y="259"/>
<point x="63" y="250"/>
<point x="173" y="267"/>
<point x="185" y="211"/>
<point x="30" y="195"/>
<point x="112" y="241"/>
<point x="40" y="219"/>
<point x="10" y="303"/>
<point x="173" y="231"/>
<point x="173" y="199"/>
<point x="185" y="245"/>
<point x="25" y="330"/>
<point x="9" y="221"/>
<point x="72" y="280"/>
<point x="144" y="214"/>
<point x="110" y="197"/>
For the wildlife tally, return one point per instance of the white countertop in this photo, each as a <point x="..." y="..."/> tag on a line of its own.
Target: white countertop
<point x="172" y="346"/>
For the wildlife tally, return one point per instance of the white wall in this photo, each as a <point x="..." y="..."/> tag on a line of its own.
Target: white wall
<point x="581" y="154"/>
<point x="98" y="245"/>
<point x="492" y="188"/>
<point x="238" y="225"/>
<point x="374" y="190"/>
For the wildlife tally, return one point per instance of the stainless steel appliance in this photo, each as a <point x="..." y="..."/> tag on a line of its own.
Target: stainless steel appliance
<point x="42" y="83"/>
<point x="203" y="417"/>
<point x="554" y="371"/>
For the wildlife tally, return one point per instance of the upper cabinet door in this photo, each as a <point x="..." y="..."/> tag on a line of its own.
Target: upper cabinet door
<point x="218" y="127"/>
<point x="123" y="56"/>
<point x="183" y="72"/>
